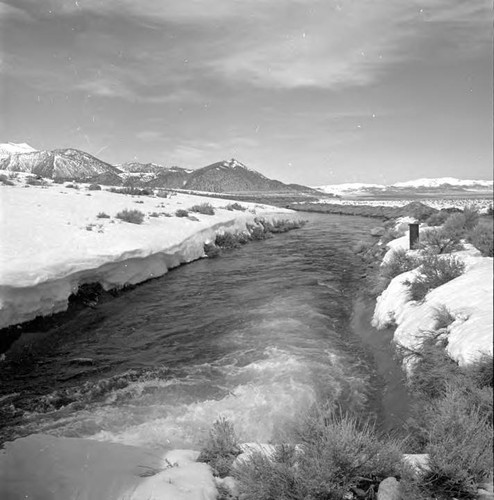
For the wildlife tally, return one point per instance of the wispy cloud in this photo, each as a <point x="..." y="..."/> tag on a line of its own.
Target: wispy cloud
<point x="292" y="44"/>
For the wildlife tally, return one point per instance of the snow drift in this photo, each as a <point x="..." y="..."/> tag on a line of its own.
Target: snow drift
<point x="468" y="298"/>
<point x="55" y="240"/>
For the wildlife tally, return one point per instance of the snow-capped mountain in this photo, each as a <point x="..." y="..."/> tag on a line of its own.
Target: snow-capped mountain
<point x="232" y="177"/>
<point x="424" y="186"/>
<point x="229" y="176"/>
<point x="444" y="181"/>
<point x="10" y="148"/>
<point x="134" y="167"/>
<point x="64" y="164"/>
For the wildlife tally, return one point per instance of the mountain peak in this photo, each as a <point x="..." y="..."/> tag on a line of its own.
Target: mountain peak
<point x="10" y="148"/>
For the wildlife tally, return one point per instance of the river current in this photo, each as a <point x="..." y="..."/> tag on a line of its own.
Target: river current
<point x="256" y="335"/>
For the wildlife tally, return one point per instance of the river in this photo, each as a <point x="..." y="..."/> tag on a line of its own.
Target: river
<point x="256" y="335"/>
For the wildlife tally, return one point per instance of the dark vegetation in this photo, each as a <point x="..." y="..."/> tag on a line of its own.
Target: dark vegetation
<point x="434" y="271"/>
<point x="259" y="231"/>
<point x="132" y="191"/>
<point x="181" y="213"/>
<point x="132" y="216"/>
<point x="203" y="208"/>
<point x="5" y="180"/>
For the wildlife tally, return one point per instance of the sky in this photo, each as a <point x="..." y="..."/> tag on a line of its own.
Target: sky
<point x="308" y="91"/>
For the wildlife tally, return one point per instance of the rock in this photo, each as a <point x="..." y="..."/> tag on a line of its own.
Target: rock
<point x="389" y="489"/>
<point x="377" y="231"/>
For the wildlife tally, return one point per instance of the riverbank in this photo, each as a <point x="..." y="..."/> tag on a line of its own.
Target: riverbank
<point x="58" y="238"/>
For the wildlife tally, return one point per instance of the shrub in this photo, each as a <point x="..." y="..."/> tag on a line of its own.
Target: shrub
<point x="338" y="455"/>
<point x="94" y="187"/>
<point x="181" y="213"/>
<point x="132" y="191"/>
<point x="34" y="180"/>
<point x="441" y="240"/>
<point x="103" y="215"/>
<point x="227" y="240"/>
<point x="437" y="219"/>
<point x="481" y="237"/>
<point x="132" y="216"/>
<point x="5" y="181"/>
<point x="154" y="214"/>
<point x="481" y="371"/>
<point x="443" y="317"/>
<point x="72" y="186"/>
<point x="211" y="250"/>
<point x="400" y="262"/>
<point x="221" y="449"/>
<point x="459" y="447"/>
<point x="435" y="271"/>
<point x="162" y="194"/>
<point x="459" y="223"/>
<point x="235" y="206"/>
<point x="203" y="208"/>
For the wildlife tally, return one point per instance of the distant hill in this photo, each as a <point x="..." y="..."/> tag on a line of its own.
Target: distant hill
<point x="418" y="187"/>
<point x="64" y="164"/>
<point x="134" y="167"/>
<point x="231" y="177"/>
<point x="221" y="177"/>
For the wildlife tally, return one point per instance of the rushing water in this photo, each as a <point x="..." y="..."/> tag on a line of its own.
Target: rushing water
<point x="256" y="335"/>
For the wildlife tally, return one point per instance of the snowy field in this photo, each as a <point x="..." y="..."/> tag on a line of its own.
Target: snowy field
<point x="55" y="238"/>
<point x="480" y="204"/>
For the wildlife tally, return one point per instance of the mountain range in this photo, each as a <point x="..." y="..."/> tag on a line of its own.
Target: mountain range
<point x="74" y="165"/>
<point x="417" y="187"/>
<point x="221" y="177"/>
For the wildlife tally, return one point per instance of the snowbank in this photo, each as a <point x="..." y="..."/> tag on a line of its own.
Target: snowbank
<point x="53" y="242"/>
<point x="41" y="466"/>
<point x="468" y="297"/>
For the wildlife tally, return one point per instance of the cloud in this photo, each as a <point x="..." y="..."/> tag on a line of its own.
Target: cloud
<point x="164" y="51"/>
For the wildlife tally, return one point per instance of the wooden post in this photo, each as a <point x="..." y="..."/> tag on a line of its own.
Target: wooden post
<point x="414" y="235"/>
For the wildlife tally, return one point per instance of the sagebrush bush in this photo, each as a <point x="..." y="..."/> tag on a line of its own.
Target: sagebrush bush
<point x="5" y="181"/>
<point x="437" y="219"/>
<point x="181" y="213"/>
<point x="94" y="187"/>
<point x="440" y="240"/>
<point x="203" y="208"/>
<point x="399" y="262"/>
<point x="481" y="237"/>
<point x="132" y="216"/>
<point x="235" y="206"/>
<point x="462" y="222"/>
<point x="103" y="215"/>
<point x="132" y="191"/>
<point x="433" y="369"/>
<point x="459" y="446"/>
<point x="228" y="240"/>
<point x="338" y="454"/>
<point x="435" y="270"/>
<point x="221" y="448"/>
<point x="34" y="180"/>
<point x="443" y="317"/>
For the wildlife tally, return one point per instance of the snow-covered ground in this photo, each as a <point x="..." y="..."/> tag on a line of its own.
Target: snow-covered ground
<point x="480" y="204"/>
<point x="53" y="241"/>
<point x="468" y="298"/>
